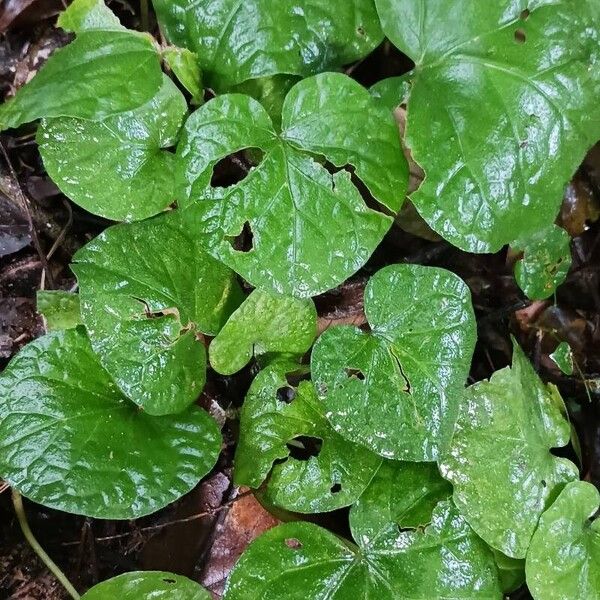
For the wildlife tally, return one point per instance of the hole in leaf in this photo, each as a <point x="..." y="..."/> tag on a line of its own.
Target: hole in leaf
<point x="296" y="377"/>
<point x="520" y="36"/>
<point x="243" y="241"/>
<point x="156" y="314"/>
<point x="336" y="488"/>
<point x="167" y="580"/>
<point x="286" y="394"/>
<point x="235" y="167"/>
<point x="293" y="543"/>
<point x="360" y="30"/>
<point x="303" y="447"/>
<point x="356" y="373"/>
<point x="544" y="484"/>
<point x="525" y="15"/>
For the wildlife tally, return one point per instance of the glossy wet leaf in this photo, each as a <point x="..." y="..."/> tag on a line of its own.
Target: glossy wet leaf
<point x="117" y="168"/>
<point x="148" y="291"/>
<point x="503" y="108"/>
<point x="71" y="441"/>
<point x="401" y="494"/>
<point x="83" y="15"/>
<point x="99" y="74"/>
<point x="60" y="309"/>
<point x="563" y="358"/>
<point x="564" y="557"/>
<point x="281" y="415"/>
<point x="138" y="585"/>
<point x="396" y="389"/>
<point x="309" y="230"/>
<point x="511" y="422"/>
<point x="301" y="560"/>
<point x="184" y="65"/>
<point x="546" y="262"/>
<point x="264" y="323"/>
<point x="236" y="41"/>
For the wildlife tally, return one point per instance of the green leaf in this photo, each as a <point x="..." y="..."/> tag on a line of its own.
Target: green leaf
<point x="511" y="422"/>
<point x="301" y="560"/>
<point x="264" y="323"/>
<point x="147" y="292"/>
<point x="510" y="570"/>
<point x="184" y="65"/>
<point x="83" y="15"/>
<point x="236" y="41"/>
<point x="563" y="358"/>
<point x="71" y="441"/>
<point x="564" y="557"/>
<point x="310" y="230"/>
<point x="502" y="110"/>
<point x="138" y="585"/>
<point x="400" y="495"/>
<point x="117" y="168"/>
<point x="546" y="262"/>
<point x="279" y="414"/>
<point x="98" y="75"/>
<point x="397" y="388"/>
<point x="60" y="309"/>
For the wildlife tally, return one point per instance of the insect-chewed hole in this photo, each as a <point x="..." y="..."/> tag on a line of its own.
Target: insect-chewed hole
<point x="360" y="30"/>
<point x="303" y="447"/>
<point x="544" y="484"/>
<point x="167" y="580"/>
<point x="525" y="15"/>
<point x="520" y="36"/>
<point x="244" y="240"/>
<point x="293" y="543"/>
<point x="286" y="394"/>
<point x="336" y="488"/>
<point x="355" y="373"/>
<point x="235" y="167"/>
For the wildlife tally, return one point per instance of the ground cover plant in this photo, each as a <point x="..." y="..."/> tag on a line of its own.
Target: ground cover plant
<point x="337" y="257"/>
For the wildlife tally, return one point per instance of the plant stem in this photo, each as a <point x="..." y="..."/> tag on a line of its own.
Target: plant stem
<point x="145" y="21"/>
<point x="35" y="545"/>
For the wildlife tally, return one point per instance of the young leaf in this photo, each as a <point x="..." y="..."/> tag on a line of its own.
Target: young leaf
<point x="511" y="422"/>
<point x="564" y="558"/>
<point x="310" y="230"/>
<point x="503" y="108"/>
<point x="117" y="167"/>
<point x="184" y="65"/>
<point x="157" y="585"/>
<point x="301" y="560"/>
<point x="98" y="75"/>
<point x="83" y="15"/>
<point x="397" y="388"/>
<point x="236" y="41"/>
<point x="563" y="358"/>
<point x="400" y="495"/>
<point x="147" y="291"/>
<point x="60" y="309"/>
<point x="264" y="323"/>
<point x="545" y="264"/>
<point x="277" y="416"/>
<point x="71" y="441"/>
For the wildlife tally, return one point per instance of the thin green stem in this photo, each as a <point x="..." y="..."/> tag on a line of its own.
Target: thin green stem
<point x="145" y="21"/>
<point x="35" y="545"/>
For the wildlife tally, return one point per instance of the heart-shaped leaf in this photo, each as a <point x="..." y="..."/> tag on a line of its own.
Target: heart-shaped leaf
<point x="117" y="167"/>
<point x="301" y="560"/>
<point x="71" y="441"/>
<point x="564" y="557"/>
<point x="237" y="41"/>
<point x="98" y="75"/>
<point x="309" y="229"/>
<point x="515" y="417"/>
<point x="138" y="585"/>
<point x="264" y="323"/>
<point x="147" y="292"/>
<point x="503" y="107"/>
<point x="283" y="431"/>
<point x="546" y="262"/>
<point x="60" y="309"/>
<point x="396" y="389"/>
